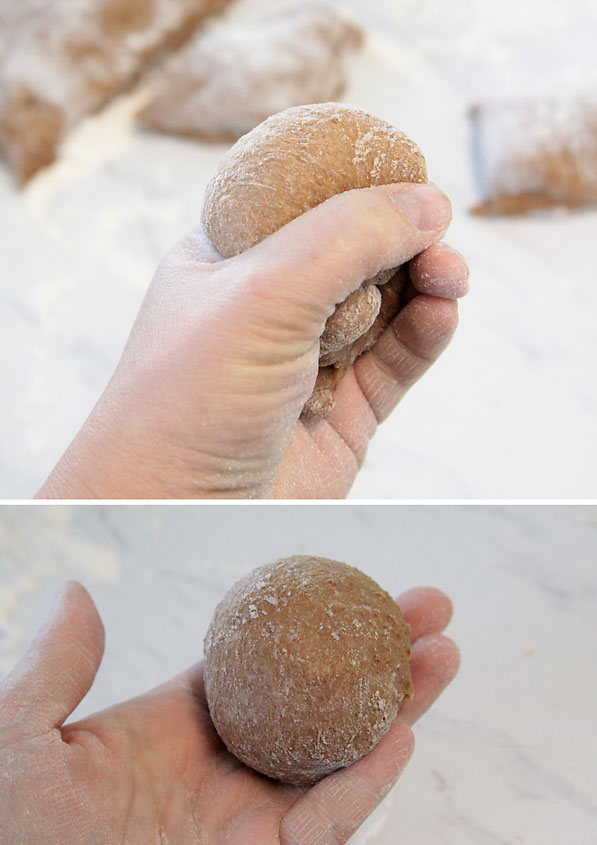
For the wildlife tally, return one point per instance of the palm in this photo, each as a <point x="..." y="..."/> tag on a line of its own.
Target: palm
<point x="161" y="756"/>
<point x="153" y="769"/>
<point x="323" y="457"/>
<point x="332" y="463"/>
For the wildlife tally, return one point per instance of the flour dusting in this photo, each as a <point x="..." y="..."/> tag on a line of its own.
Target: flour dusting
<point x="305" y="669"/>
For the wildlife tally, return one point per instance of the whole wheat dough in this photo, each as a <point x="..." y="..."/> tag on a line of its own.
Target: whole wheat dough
<point x="307" y="662"/>
<point x="234" y="75"/>
<point x="289" y="164"/>
<point x="535" y="154"/>
<point x="63" y="59"/>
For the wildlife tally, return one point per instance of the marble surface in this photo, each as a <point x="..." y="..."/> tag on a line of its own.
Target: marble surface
<point x="508" y="753"/>
<point x="508" y="412"/>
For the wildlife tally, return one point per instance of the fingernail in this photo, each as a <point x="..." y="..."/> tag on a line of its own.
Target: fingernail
<point x="425" y="206"/>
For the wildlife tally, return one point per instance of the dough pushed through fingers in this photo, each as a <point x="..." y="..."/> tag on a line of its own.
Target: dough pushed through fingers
<point x="286" y="197"/>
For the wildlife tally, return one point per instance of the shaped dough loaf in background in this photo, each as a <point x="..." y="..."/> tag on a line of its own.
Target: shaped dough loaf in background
<point x="535" y="154"/>
<point x="63" y="59"/>
<point x="233" y="76"/>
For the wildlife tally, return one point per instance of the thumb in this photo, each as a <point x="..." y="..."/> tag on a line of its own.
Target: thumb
<point x="59" y="667"/>
<point x="315" y="261"/>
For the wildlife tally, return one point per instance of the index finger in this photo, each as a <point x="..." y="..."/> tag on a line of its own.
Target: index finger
<point x="426" y="609"/>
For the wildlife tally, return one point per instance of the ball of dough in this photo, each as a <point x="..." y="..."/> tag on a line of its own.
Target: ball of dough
<point x="307" y="662"/>
<point x="291" y="163"/>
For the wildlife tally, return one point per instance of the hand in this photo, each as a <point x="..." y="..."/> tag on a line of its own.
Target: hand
<point x="207" y="397"/>
<point x="153" y="769"/>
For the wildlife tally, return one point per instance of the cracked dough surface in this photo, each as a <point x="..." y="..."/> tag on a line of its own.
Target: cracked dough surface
<point x="307" y="662"/>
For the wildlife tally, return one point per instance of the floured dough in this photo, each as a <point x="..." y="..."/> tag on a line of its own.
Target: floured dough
<point x="62" y="59"/>
<point x="291" y="163"/>
<point x="536" y="154"/>
<point x="234" y="75"/>
<point x="307" y="662"/>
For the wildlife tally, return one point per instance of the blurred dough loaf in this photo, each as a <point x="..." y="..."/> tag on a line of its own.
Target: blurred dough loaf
<point x="235" y="75"/>
<point x="63" y="59"/>
<point x="536" y="154"/>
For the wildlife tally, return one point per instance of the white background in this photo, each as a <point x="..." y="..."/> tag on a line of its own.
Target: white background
<point x="509" y="411"/>
<point x="508" y="753"/>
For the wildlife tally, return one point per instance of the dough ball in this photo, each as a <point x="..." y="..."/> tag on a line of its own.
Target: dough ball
<point x="291" y="163"/>
<point x="236" y="74"/>
<point x="307" y="662"/>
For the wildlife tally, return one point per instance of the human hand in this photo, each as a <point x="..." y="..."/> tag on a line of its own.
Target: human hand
<point x="206" y="400"/>
<point x="153" y="769"/>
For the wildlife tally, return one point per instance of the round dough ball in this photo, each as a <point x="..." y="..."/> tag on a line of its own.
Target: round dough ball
<point x="307" y="662"/>
<point x="291" y="163"/>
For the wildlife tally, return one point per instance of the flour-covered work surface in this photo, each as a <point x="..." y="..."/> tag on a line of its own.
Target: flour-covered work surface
<point x="509" y="410"/>
<point x="507" y="754"/>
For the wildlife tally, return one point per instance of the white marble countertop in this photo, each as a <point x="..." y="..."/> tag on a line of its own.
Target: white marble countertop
<point x="509" y="411"/>
<point x="508" y="753"/>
